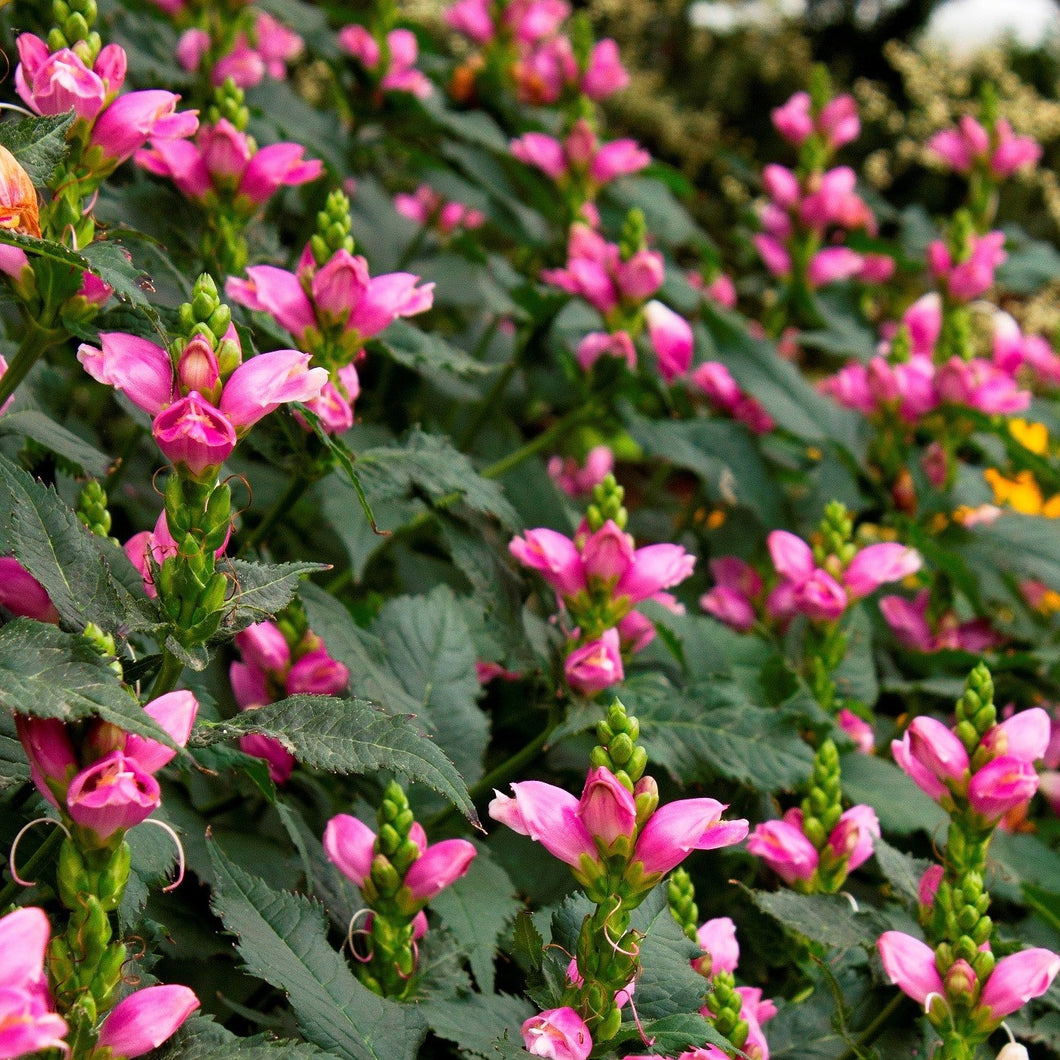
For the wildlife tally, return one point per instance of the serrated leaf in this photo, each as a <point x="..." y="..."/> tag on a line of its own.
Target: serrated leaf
<point x="902" y="871"/>
<point x="427" y="465"/>
<point x="900" y="805"/>
<point x="110" y="261"/>
<point x="30" y="423"/>
<point x="475" y="1021"/>
<point x="349" y="736"/>
<point x="477" y="908"/>
<point x="14" y="768"/>
<point x="39" y="143"/>
<point x="72" y="564"/>
<point x="429" y="648"/>
<point x="826" y="918"/>
<point x="713" y="729"/>
<point x="261" y="590"/>
<point x="527" y="943"/>
<point x="282" y="938"/>
<point x="674" y="1034"/>
<point x="199" y="1038"/>
<point x="48" y="673"/>
<point x="423" y="352"/>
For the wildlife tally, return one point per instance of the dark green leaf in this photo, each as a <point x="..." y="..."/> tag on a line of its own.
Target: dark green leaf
<point x="902" y="871"/>
<point x="899" y="804"/>
<point x="261" y="590"/>
<point x="713" y="730"/>
<point x="826" y="918"/>
<point x="14" y="769"/>
<point x="282" y="939"/>
<point x="47" y="673"/>
<point x="199" y="1038"/>
<point x="29" y="423"/>
<point x="39" y="143"/>
<point x="429" y="648"/>
<point x="429" y="466"/>
<point x="674" y="1034"/>
<point x="476" y="1020"/>
<point x="477" y="908"/>
<point x="349" y="736"/>
<point x="527" y="944"/>
<point x="110" y="261"/>
<point x="427" y="353"/>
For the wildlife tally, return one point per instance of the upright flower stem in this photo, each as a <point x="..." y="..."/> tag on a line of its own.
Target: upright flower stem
<point x="39" y="338"/>
<point x="168" y="675"/>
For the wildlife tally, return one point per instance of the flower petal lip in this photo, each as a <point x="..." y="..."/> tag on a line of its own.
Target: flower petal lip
<point x="1017" y="979"/>
<point x="677" y="828"/>
<point x="144" y="1020"/>
<point x="548" y="815"/>
<point x="23" y="940"/>
<point x="350" y="845"/>
<point x="438" y="866"/>
<point x="910" y="965"/>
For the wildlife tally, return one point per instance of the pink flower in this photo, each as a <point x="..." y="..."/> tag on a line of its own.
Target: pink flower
<point x="276" y="292"/>
<point x="1017" y="979"/>
<point x="263" y="383"/>
<point x="23" y="595"/>
<point x="549" y="816"/>
<point x="604" y="74"/>
<point x="437" y="867"/>
<point x="599" y="344"/>
<point x="264" y="646"/>
<point x="542" y="152"/>
<point x="144" y="1020"/>
<point x="350" y="846"/>
<point x="653" y="568"/>
<point x="279" y="760"/>
<point x="194" y="433"/>
<point x="774" y="255"/>
<point x="596" y="665"/>
<point x="783" y="847"/>
<point x="133" y="119"/>
<point x="838" y="121"/>
<point x="137" y="367"/>
<point x="833" y="265"/>
<point x="878" y="564"/>
<point x="1001" y="786"/>
<point x="677" y="828"/>
<point x="175" y="712"/>
<point x="858" y="729"/>
<point x="52" y="760"/>
<point x="619" y="158"/>
<point x="980" y="385"/>
<point x="671" y="336"/>
<point x="853" y="835"/>
<point x="607" y="553"/>
<point x="908" y="620"/>
<point x="472" y="18"/>
<point x="317" y="673"/>
<point x="274" y="167"/>
<point x="1025" y="736"/>
<point x="606" y="807"/>
<point x="794" y="120"/>
<point x="910" y="965"/>
<point x="554" y="556"/>
<point x="28" y="1023"/>
<point x="1012" y="152"/>
<point x="557" y="1033"/>
<point x="54" y="82"/>
<point x="717" y="940"/>
<point x="574" y="479"/>
<point x="113" y="794"/>
<point x="971" y="277"/>
<point x="387" y="297"/>
<point x="932" y="755"/>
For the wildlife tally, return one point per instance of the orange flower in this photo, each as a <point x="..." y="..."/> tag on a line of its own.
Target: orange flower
<point x="18" y="197"/>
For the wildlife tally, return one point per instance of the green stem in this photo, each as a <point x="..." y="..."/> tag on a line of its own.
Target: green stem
<point x="290" y="496"/>
<point x="489" y="404"/>
<point x="873" y="1030"/>
<point x="37" y="341"/>
<point x="545" y="440"/>
<point x="168" y="675"/>
<point x="43" y="853"/>
<point x="510" y="767"/>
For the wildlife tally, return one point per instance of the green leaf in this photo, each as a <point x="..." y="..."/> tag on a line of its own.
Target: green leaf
<point x="477" y="908"/>
<point x="902" y="871"/>
<point x="429" y="354"/>
<point x="199" y="1038"/>
<point x="429" y="648"/>
<point x="527" y="943"/>
<point x="1045" y="903"/>
<point x="30" y="423"/>
<point x="348" y="736"/>
<point x="899" y="804"/>
<point x="39" y="143"/>
<point x="723" y="454"/>
<point x="475" y="1020"/>
<point x="110" y="261"/>
<point x="674" y="1034"/>
<point x="826" y="918"/>
<point x="282" y="938"/>
<point x="14" y="769"/>
<point x="47" y="673"/>
<point x="713" y="730"/>
<point x="261" y="590"/>
<point x="73" y="565"/>
<point x="428" y="466"/>
<point x="1025" y="544"/>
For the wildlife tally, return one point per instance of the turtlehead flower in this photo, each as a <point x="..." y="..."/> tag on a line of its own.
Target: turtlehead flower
<point x="400" y="73"/>
<point x="144" y="1020"/>
<point x="28" y="1021"/>
<point x="557" y="1033"/>
<point x="970" y="145"/>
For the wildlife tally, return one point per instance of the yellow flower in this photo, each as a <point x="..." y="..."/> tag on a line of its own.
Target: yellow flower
<point x="1032" y="436"/>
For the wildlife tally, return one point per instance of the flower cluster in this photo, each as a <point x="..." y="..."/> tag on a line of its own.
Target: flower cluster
<point x="599" y="577"/>
<point x="715" y="381"/>
<point x="426" y="207"/>
<point x="820" y="587"/>
<point x="969" y="146"/>
<point x="398" y="873"/>
<point x="102" y="779"/>
<point x="390" y="58"/>
<point x="547" y="63"/>
<point x="261" y="46"/>
<point x="202" y="396"/>
<point x="279" y="659"/>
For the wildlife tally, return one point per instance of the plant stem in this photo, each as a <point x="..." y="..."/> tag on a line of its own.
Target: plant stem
<point x="37" y="341"/>
<point x="287" y="500"/>
<point x="872" y="1031"/>
<point x="168" y="674"/>
<point x="545" y="440"/>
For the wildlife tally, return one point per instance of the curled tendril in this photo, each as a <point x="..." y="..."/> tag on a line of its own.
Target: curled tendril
<point x="852" y="900"/>
<point x="14" y="846"/>
<point x="353" y="931"/>
<point x="15" y="106"/>
<point x="180" y="853"/>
